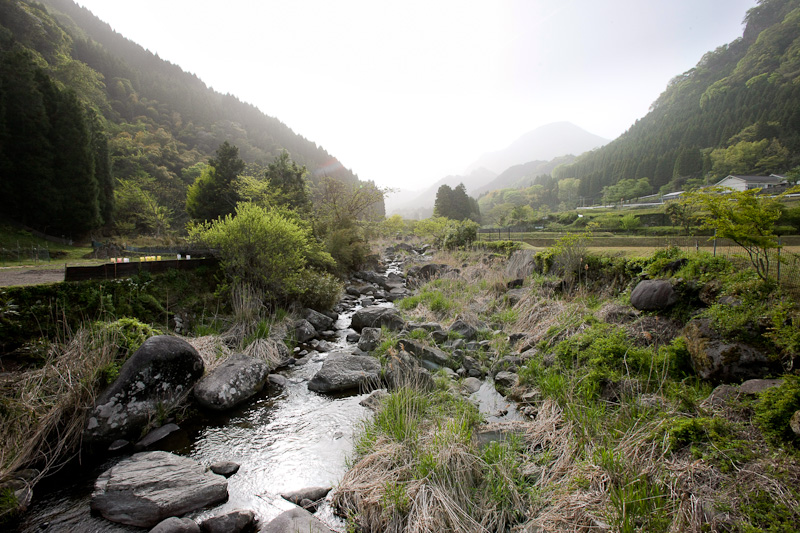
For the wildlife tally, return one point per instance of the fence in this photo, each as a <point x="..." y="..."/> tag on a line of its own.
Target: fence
<point x="33" y="253"/>
<point x="126" y="270"/>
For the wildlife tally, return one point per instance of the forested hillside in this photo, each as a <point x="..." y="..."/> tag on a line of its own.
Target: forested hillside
<point x="737" y="111"/>
<point x="87" y="115"/>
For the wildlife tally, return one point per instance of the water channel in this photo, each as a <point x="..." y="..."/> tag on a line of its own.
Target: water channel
<point x="284" y="439"/>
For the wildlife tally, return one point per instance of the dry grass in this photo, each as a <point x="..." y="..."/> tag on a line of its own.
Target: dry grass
<point x="43" y="410"/>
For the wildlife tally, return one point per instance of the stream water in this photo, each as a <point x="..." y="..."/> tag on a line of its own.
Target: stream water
<point x="284" y="439"/>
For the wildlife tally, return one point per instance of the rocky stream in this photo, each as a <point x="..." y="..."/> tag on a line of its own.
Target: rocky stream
<point x="258" y="463"/>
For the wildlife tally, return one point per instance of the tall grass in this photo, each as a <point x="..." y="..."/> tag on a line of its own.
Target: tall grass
<point x="43" y="410"/>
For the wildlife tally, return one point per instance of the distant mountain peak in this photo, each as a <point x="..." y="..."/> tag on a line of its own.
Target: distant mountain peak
<point x="543" y="144"/>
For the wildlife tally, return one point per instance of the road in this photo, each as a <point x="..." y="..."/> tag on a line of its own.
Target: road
<point x="10" y="276"/>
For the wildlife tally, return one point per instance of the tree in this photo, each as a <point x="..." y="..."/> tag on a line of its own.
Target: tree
<point x="745" y="217"/>
<point x="339" y="209"/>
<point x="287" y="180"/>
<point x="455" y="204"/>
<point x="213" y="195"/>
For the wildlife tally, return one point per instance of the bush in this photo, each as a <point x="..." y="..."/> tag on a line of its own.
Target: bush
<point x="317" y="290"/>
<point x="458" y="234"/>
<point x="775" y="408"/>
<point x="502" y="247"/>
<point x="129" y="333"/>
<point x="264" y="248"/>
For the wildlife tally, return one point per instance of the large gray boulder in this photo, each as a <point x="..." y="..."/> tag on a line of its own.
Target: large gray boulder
<point x="304" y="331"/>
<point x="404" y="370"/>
<point x="295" y="520"/>
<point x="232" y="382"/>
<point x="376" y="317"/>
<point x="232" y="522"/>
<point x="157" y="376"/>
<point x="148" y="487"/>
<point x="342" y="372"/>
<point x="463" y="329"/>
<point x="173" y="524"/>
<point x="653" y="295"/>
<point x="318" y="320"/>
<point x="721" y="361"/>
<point x="432" y="358"/>
<point x="369" y="340"/>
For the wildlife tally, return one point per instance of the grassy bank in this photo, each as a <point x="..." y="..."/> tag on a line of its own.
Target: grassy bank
<point x="620" y="435"/>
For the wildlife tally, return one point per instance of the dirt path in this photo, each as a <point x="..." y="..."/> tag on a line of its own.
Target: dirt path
<point x="30" y="276"/>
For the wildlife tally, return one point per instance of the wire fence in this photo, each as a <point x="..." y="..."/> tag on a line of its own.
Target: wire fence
<point x="19" y="254"/>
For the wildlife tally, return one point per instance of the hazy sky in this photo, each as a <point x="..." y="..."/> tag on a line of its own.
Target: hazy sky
<point x="405" y="93"/>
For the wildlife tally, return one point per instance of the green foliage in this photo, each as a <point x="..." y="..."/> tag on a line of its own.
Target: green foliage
<point x="213" y="194"/>
<point x="458" y="234"/>
<point x="349" y="248"/>
<point x="626" y="189"/>
<point x="501" y="247"/>
<point x="288" y="182"/>
<point x="743" y="217"/>
<point x="776" y="406"/>
<point x="453" y="203"/>
<point x="259" y="247"/>
<point x="316" y="289"/>
<point x="765" y="512"/>
<point x="129" y="333"/>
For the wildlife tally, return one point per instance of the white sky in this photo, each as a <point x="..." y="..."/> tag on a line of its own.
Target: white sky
<point x="405" y="93"/>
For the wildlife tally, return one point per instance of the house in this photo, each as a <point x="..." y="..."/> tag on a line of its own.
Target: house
<point x="743" y="183"/>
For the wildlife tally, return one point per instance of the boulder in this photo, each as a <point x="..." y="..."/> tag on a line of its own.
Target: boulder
<point x="471" y="385"/>
<point x="156" y="436"/>
<point x="148" y="487"/>
<point x="434" y="356"/>
<point x="722" y="361"/>
<point x="297" y="519"/>
<point x="719" y="397"/>
<point x="376" y="317"/>
<point x="794" y="423"/>
<point x="304" y="331"/>
<point x="157" y="376"/>
<point x="373" y="401"/>
<point x="430" y="327"/>
<point x="428" y="271"/>
<point x="310" y="493"/>
<point x="463" y="329"/>
<point x="225" y="468"/>
<point x="342" y="371"/>
<point x="754" y="387"/>
<point x="506" y="379"/>
<point x="173" y="524"/>
<point x="369" y="340"/>
<point x="277" y="380"/>
<point x="653" y="295"/>
<point x="514" y="296"/>
<point x="318" y="320"/>
<point x="232" y="522"/>
<point x="403" y="370"/>
<point x="232" y="382"/>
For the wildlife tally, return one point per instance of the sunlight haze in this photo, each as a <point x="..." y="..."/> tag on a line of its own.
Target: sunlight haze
<point x="406" y="93"/>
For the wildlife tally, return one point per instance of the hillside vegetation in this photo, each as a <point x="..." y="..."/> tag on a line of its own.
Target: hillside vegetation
<point x="88" y="116"/>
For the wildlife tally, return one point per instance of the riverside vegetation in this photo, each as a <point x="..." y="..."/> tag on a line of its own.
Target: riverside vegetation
<point x="620" y="433"/>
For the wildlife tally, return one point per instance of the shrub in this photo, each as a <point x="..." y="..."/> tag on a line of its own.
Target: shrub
<point x="264" y="248"/>
<point x="775" y="408"/>
<point x="457" y="234"/>
<point x="129" y="333"/>
<point x="317" y="290"/>
<point x="502" y="247"/>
